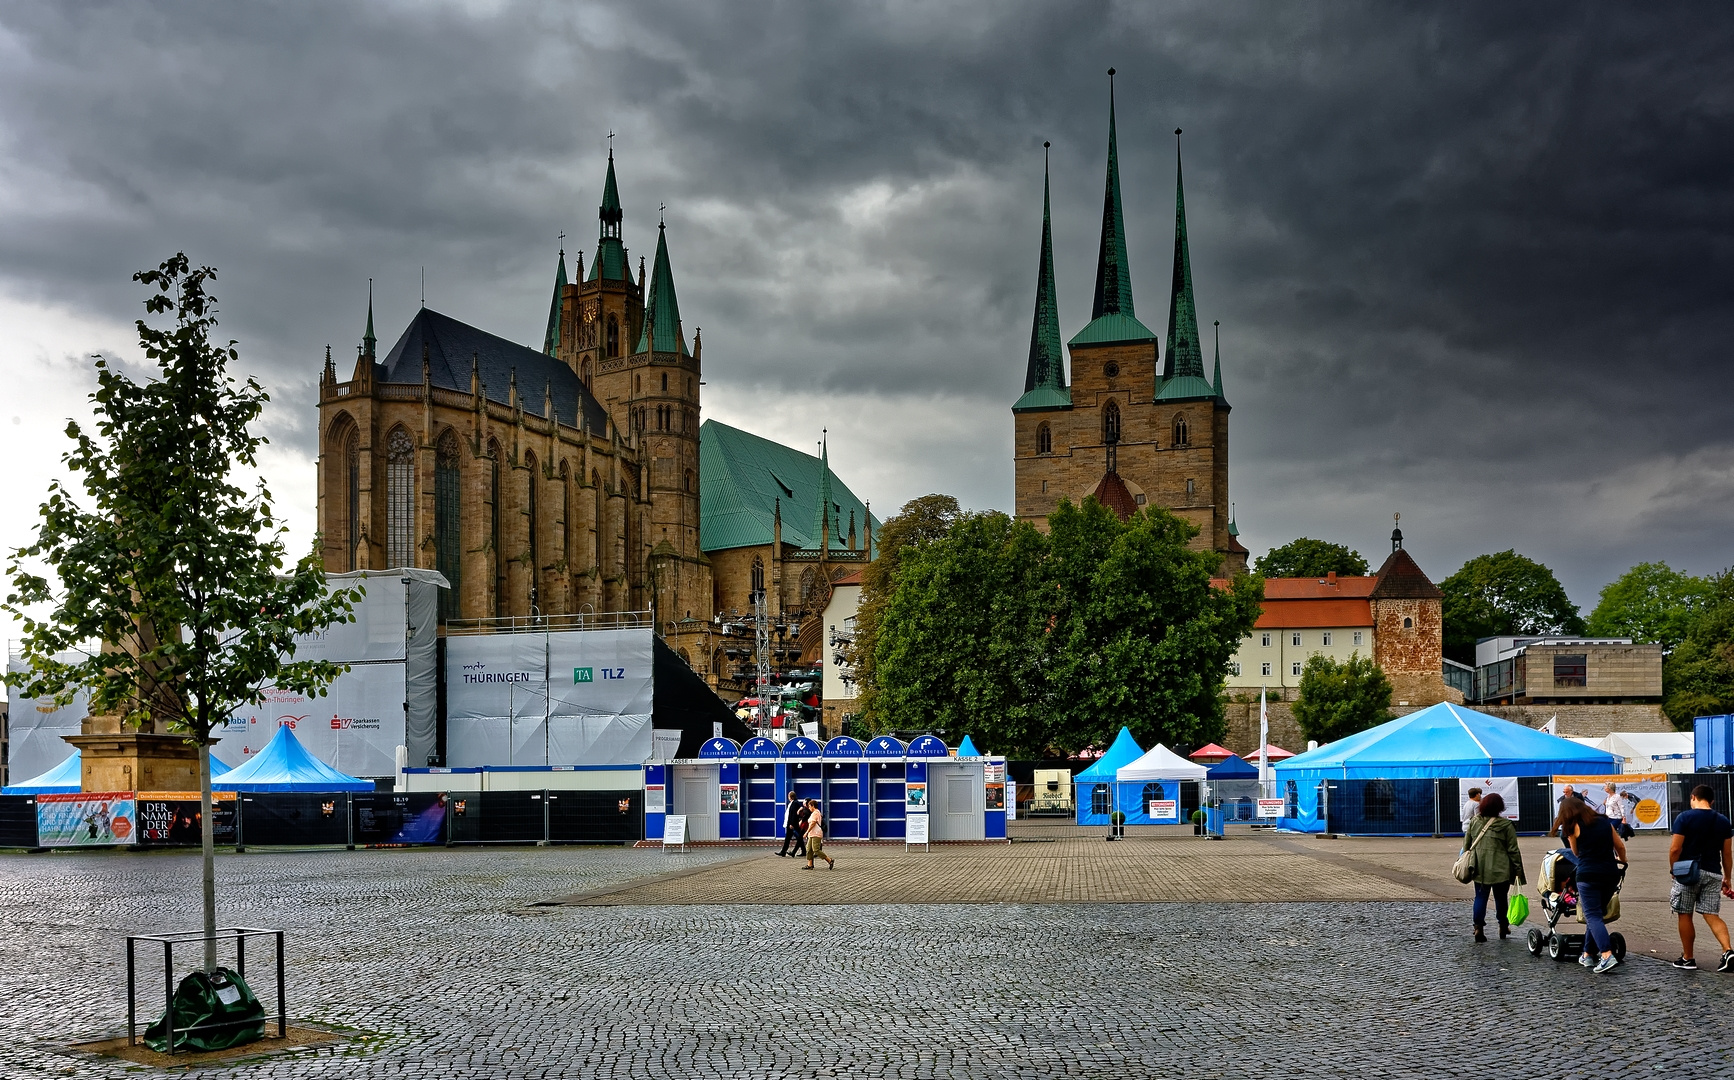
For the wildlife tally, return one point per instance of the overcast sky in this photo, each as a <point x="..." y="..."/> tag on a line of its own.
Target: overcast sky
<point x="1472" y="264"/>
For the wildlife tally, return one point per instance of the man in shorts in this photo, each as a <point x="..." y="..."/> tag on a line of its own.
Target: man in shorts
<point x="1706" y="836"/>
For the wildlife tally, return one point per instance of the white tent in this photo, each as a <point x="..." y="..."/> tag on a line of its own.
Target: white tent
<point x="1653" y="751"/>
<point x="1161" y="763"/>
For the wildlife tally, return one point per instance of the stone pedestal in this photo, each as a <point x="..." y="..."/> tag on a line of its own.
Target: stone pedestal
<point x="135" y="760"/>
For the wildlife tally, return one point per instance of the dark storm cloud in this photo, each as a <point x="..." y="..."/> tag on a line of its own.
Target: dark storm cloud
<point x="1472" y="264"/>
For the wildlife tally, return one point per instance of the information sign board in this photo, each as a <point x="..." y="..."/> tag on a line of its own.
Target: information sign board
<point x="915" y="830"/>
<point x="674" y="831"/>
<point x="1164" y="809"/>
<point x="1270" y="808"/>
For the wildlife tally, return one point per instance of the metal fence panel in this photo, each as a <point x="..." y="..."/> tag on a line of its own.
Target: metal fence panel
<point x="596" y="817"/>
<point x="18" y="821"/>
<point x="293" y="817"/>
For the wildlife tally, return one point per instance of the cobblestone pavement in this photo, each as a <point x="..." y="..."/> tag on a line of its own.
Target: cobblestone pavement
<point x="438" y="953"/>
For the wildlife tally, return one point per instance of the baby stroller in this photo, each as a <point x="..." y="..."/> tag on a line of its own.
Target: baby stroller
<point x="1558" y="887"/>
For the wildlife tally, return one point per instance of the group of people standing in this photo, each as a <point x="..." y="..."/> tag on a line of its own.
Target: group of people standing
<point x="804" y="832"/>
<point x="1701" y="847"/>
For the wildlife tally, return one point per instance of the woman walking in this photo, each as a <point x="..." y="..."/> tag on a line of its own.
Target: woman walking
<point x="1498" y="862"/>
<point x="816" y="837"/>
<point x="1600" y="853"/>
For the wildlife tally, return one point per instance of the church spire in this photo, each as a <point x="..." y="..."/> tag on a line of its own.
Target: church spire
<point x="661" y="308"/>
<point x="1045" y="380"/>
<point x="368" y="341"/>
<point x="551" y="339"/>
<point x="822" y="534"/>
<point x="610" y="261"/>
<point x="1216" y="383"/>
<point x="1185" y="352"/>
<point x="1113" y="275"/>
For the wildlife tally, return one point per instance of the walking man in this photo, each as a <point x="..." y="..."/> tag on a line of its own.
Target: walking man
<point x="1701" y="848"/>
<point x="791" y="826"/>
<point x="816" y="837"/>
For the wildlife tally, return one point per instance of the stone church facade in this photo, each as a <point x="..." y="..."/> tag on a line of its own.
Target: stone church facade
<point x="1129" y="427"/>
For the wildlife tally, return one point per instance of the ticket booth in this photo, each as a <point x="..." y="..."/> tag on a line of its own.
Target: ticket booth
<point x="802" y="770"/>
<point x="844" y="790"/>
<point x="708" y="791"/>
<point x="759" y="760"/>
<point x="924" y="751"/>
<point x="884" y="761"/>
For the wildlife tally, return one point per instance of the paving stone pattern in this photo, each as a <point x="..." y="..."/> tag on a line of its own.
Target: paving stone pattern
<point x="441" y="954"/>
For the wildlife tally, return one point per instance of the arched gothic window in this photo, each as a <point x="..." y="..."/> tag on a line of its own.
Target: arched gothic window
<point x="1181" y="436"/>
<point x="596" y="521"/>
<point x="494" y="537"/>
<point x="399" y="499"/>
<point x="613" y="338"/>
<point x="1111" y="422"/>
<point x="343" y="480"/>
<point x="1044" y="439"/>
<point x="665" y="382"/>
<point x="446" y="518"/>
<point x="533" y="519"/>
<point x="566" y="546"/>
<point x="758" y="575"/>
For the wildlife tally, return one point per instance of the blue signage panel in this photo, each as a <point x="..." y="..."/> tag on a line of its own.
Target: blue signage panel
<point x="885" y="747"/>
<point x="928" y="746"/>
<point x="759" y="748"/>
<point x="801" y="748"/>
<point x="842" y="747"/>
<point x="719" y="750"/>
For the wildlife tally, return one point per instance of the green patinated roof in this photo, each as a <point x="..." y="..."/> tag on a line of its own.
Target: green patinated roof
<point x="551" y="339"/>
<point x="610" y="261"/>
<point x="741" y="479"/>
<point x="1113" y="274"/>
<point x="1044" y="397"/>
<point x="1216" y="383"/>
<point x="1186" y="388"/>
<point x="1045" y="379"/>
<point x="1113" y="330"/>
<point x="1185" y="351"/>
<point x="661" y="308"/>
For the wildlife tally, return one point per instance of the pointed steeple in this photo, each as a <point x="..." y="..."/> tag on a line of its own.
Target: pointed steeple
<point x="823" y="535"/>
<point x="368" y="341"/>
<point x="1045" y="379"/>
<point x="610" y="261"/>
<point x="1113" y="275"/>
<point x="551" y="340"/>
<point x="1185" y="352"/>
<point x="661" y="308"/>
<point x="1216" y="383"/>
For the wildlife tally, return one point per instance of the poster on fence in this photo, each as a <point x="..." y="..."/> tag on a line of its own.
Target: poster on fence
<point x="173" y="817"/>
<point x="571" y="697"/>
<point x="1506" y="786"/>
<point x="393" y="819"/>
<point x="86" y="819"/>
<point x="1639" y="799"/>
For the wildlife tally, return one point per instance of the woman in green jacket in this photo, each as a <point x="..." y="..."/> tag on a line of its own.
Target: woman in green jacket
<point x="1498" y="862"/>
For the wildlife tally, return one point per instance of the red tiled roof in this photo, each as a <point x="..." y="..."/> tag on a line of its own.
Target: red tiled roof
<point x="1112" y="493"/>
<point x="1303" y="614"/>
<point x="851" y="578"/>
<point x="1306" y="588"/>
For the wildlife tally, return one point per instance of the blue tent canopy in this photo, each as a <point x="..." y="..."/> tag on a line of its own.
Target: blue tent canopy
<point x="68" y="776"/>
<point x="1233" y="767"/>
<point x="285" y="765"/>
<point x="1440" y="741"/>
<point x="966" y="748"/>
<point x="1094" y="786"/>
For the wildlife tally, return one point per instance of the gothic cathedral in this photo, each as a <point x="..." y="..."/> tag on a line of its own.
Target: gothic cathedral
<point x="1126" y="431"/>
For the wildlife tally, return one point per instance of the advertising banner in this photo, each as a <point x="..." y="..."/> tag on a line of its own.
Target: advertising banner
<point x="915" y="797"/>
<point x="1639" y="799"/>
<point x="571" y="697"/>
<point x="356" y="727"/>
<point x="1506" y="786"/>
<point x="391" y="819"/>
<point x="86" y="819"/>
<point x="35" y="729"/>
<point x="173" y="817"/>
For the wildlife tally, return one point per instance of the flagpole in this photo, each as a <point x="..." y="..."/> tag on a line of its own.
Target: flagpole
<point x="1263" y="746"/>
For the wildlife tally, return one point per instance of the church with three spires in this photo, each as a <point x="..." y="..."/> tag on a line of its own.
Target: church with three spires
<point x="580" y="477"/>
<point x="1135" y="425"/>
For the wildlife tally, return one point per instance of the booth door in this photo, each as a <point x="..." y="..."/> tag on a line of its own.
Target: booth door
<point x="888" y="800"/>
<point x="805" y="776"/>
<point x="842" y="800"/>
<point x="958" y="805"/>
<point x="696" y="794"/>
<point x="760" y="780"/>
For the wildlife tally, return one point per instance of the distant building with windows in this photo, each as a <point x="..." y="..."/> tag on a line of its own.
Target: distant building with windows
<point x="1394" y="617"/>
<point x="1564" y="670"/>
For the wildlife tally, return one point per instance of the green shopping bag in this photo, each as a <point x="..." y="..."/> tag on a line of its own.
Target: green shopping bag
<point x="1518" y="910"/>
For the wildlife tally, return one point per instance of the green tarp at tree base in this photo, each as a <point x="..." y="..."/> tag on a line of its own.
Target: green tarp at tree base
<point x="211" y="1010"/>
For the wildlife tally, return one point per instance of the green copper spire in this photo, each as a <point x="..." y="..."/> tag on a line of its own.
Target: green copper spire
<point x="1185" y="352"/>
<point x="610" y="261"/>
<point x="661" y="309"/>
<point x="1113" y="276"/>
<point x="1216" y="383"/>
<point x="368" y="341"/>
<point x="551" y="340"/>
<point x="822" y="513"/>
<point x="1045" y="380"/>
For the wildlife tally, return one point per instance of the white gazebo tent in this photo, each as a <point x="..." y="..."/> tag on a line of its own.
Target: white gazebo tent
<point x="1154" y="777"/>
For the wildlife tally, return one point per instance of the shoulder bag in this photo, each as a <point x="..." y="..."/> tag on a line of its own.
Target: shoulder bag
<point x="1685" y="871"/>
<point x="1464" y="868"/>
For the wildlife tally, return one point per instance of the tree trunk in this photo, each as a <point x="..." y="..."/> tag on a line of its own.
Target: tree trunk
<point x="208" y="869"/>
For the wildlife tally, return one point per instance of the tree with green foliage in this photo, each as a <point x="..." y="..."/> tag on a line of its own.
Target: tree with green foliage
<point x="1698" y="675"/>
<point x="1337" y="700"/>
<point x="1651" y="602"/>
<point x="1310" y="558"/>
<point x="1503" y="593"/>
<point x="1039" y="642"/>
<point x="171" y="567"/>
<point x="920" y="521"/>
